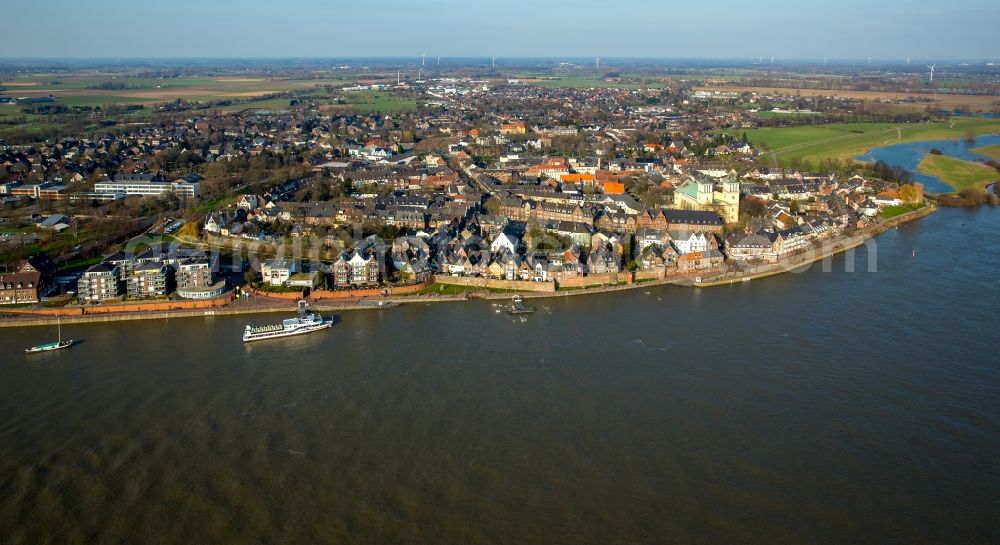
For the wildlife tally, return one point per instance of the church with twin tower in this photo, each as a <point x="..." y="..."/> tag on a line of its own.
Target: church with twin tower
<point x="722" y="196"/>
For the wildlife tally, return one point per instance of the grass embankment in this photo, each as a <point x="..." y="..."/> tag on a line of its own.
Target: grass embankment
<point x="267" y="288"/>
<point x="989" y="151"/>
<point x="890" y="212"/>
<point x="959" y="174"/>
<point x="455" y="289"/>
<point x="845" y="141"/>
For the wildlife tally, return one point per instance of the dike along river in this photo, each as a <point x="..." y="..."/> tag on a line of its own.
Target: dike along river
<point x="822" y="407"/>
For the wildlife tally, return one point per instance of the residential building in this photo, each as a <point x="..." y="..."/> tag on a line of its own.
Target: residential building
<point x="150" y="279"/>
<point x="194" y="273"/>
<point x="277" y="271"/>
<point x="32" y="280"/>
<point x="125" y="261"/>
<point x="762" y="246"/>
<point x="356" y="268"/>
<point x="100" y="282"/>
<point x="505" y="240"/>
<point x="699" y="261"/>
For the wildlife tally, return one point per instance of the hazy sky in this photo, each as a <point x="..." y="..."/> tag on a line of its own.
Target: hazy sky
<point x="559" y="28"/>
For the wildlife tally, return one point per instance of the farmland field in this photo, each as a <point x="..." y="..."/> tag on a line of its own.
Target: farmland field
<point x="585" y="82"/>
<point x="938" y="100"/>
<point x="97" y="91"/>
<point x="845" y="141"/>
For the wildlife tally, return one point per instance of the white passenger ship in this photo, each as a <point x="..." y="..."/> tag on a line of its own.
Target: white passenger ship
<point x="307" y="322"/>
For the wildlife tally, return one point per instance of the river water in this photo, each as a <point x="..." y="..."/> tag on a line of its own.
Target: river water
<point x="821" y="407"/>
<point x="909" y="155"/>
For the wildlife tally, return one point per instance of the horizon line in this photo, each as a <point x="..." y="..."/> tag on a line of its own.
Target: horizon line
<point x="432" y="58"/>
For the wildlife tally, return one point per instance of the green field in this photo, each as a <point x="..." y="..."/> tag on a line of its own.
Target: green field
<point x="78" y="90"/>
<point x="893" y="211"/>
<point x="957" y="173"/>
<point x="845" y="141"/>
<point x="35" y="129"/>
<point x="98" y="100"/>
<point x="989" y="151"/>
<point x="13" y="110"/>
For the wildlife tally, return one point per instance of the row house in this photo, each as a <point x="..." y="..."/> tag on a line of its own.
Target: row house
<point x="413" y="203"/>
<point x="546" y="211"/>
<point x="763" y="246"/>
<point x="440" y="180"/>
<point x="653" y="218"/>
<point x="400" y="217"/>
<point x="603" y="259"/>
<point x="620" y="222"/>
<point x="513" y="208"/>
<point x="700" y="261"/>
<point x="659" y="258"/>
<point x="647" y="237"/>
<point x="693" y="241"/>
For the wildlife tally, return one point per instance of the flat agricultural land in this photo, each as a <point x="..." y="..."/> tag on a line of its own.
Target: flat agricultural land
<point x="844" y="141"/>
<point x="957" y="173"/>
<point x="989" y="151"/>
<point x="586" y="82"/>
<point x="98" y="90"/>
<point x="938" y="100"/>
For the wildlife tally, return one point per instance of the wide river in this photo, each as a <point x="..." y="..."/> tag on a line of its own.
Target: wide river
<point x="821" y="407"/>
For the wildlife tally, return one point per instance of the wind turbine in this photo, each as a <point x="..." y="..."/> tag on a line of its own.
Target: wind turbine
<point x="494" y="62"/>
<point x="932" y="72"/>
<point x="598" y="61"/>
